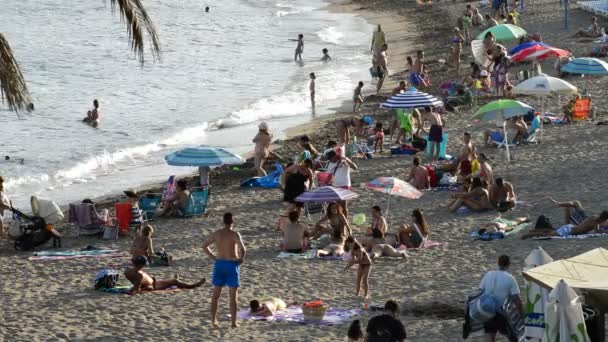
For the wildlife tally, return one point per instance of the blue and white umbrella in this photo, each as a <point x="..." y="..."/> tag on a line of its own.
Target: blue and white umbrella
<point x="412" y="99"/>
<point x="203" y="156"/>
<point x="586" y="66"/>
<point x="326" y="194"/>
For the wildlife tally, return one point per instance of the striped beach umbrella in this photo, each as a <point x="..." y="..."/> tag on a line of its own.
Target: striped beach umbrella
<point x="326" y="194"/>
<point x="504" y="32"/>
<point x="537" y="53"/>
<point x="525" y="46"/>
<point x="203" y="156"/>
<point x="393" y="186"/>
<point x="586" y="66"/>
<point x="412" y="99"/>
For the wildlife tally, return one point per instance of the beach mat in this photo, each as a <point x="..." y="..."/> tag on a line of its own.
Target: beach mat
<point x="585" y="236"/>
<point x="66" y="255"/>
<point x="126" y="289"/>
<point x="427" y="245"/>
<point x="333" y="316"/>
<point x="311" y="254"/>
<point x="498" y="236"/>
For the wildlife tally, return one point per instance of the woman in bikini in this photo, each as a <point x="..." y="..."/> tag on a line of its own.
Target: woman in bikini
<point x="378" y="221"/>
<point x="142" y="245"/>
<point x="336" y="220"/>
<point x="361" y="258"/>
<point x="477" y="199"/>
<point x="413" y="235"/>
<point x="378" y="247"/>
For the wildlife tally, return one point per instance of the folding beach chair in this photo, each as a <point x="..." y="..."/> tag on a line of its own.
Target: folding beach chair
<point x="199" y="198"/>
<point x="363" y="150"/>
<point x="149" y="204"/>
<point x="499" y="140"/>
<point x="312" y="209"/>
<point x="582" y="109"/>
<point x="125" y="220"/>
<point x="86" y="219"/>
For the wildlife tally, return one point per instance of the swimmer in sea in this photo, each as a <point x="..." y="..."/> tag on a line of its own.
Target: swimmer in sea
<point x="326" y="57"/>
<point x="207" y="9"/>
<point x="93" y="115"/>
<point x="19" y="160"/>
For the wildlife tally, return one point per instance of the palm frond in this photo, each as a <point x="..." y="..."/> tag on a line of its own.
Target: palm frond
<point x="12" y="84"/>
<point x="138" y="24"/>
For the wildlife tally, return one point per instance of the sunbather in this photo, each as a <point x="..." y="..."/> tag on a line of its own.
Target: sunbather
<point x="413" y="235"/>
<point x="295" y="235"/>
<point x="336" y="222"/>
<point x="593" y="31"/>
<point x="590" y="225"/>
<point x="418" y="176"/>
<point x="502" y="195"/>
<point x="266" y="307"/>
<point x="573" y="211"/>
<point x="180" y="201"/>
<point x="378" y="221"/>
<point x="335" y="247"/>
<point x="477" y="199"/>
<point x="378" y="247"/>
<point x="501" y="225"/>
<point x="142" y="281"/>
<point x="485" y="170"/>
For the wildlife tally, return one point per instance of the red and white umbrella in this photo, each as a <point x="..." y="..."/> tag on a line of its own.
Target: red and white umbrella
<point x="537" y="52"/>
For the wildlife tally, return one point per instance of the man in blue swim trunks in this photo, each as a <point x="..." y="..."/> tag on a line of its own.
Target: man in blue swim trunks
<point x="227" y="265"/>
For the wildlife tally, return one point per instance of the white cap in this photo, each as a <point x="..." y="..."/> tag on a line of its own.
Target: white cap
<point x="483" y="73"/>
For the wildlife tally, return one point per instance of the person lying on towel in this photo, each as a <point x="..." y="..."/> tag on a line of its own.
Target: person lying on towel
<point x="142" y="281"/>
<point x="588" y="226"/>
<point x="267" y="307"/>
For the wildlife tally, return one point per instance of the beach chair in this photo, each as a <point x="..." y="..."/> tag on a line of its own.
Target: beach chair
<point x="499" y="140"/>
<point x="86" y="218"/>
<point x="582" y="109"/>
<point x="125" y="220"/>
<point x="149" y="203"/>
<point x="311" y="209"/>
<point x="199" y="198"/>
<point x="363" y="150"/>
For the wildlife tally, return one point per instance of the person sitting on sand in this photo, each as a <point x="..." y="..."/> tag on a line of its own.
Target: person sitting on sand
<point x="142" y="281"/>
<point x="413" y="235"/>
<point x="477" y="18"/>
<point x="142" y="244"/>
<point x="592" y="224"/>
<point x="593" y="31"/>
<point x="378" y="247"/>
<point x="361" y="258"/>
<point x="378" y="221"/>
<point x="477" y="199"/>
<point x="401" y="88"/>
<point x="387" y="326"/>
<point x="485" y="169"/>
<point x="337" y="223"/>
<point x="502" y="196"/>
<point x="335" y="248"/>
<point x="501" y="225"/>
<point x="295" y="234"/>
<point x="522" y="129"/>
<point x="137" y="215"/>
<point x="418" y="176"/>
<point x="490" y="22"/>
<point x="181" y="200"/>
<point x="573" y="211"/>
<point x="266" y="307"/>
<point x="326" y="57"/>
<point x="355" y="333"/>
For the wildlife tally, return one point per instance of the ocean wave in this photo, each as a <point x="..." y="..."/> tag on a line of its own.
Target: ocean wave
<point x="331" y="35"/>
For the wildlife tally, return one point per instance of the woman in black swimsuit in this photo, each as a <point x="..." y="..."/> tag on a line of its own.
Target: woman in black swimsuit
<point x="297" y="178"/>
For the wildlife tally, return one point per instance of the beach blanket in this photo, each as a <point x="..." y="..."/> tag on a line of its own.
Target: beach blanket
<point x="498" y="236"/>
<point x="66" y="255"/>
<point x="294" y="314"/>
<point x="427" y="245"/>
<point x="585" y="236"/>
<point x="312" y="254"/>
<point x="126" y="289"/>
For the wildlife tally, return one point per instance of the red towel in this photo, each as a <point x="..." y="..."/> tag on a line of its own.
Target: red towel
<point x="123" y="216"/>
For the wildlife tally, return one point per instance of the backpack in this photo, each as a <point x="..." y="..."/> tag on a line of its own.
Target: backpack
<point x="106" y="279"/>
<point x="419" y="143"/>
<point x="484" y="307"/>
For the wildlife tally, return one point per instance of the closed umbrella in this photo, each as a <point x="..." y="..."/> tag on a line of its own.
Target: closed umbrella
<point x="586" y="66"/>
<point x="393" y="186"/>
<point x="535" y="297"/>
<point x="502" y="110"/>
<point x="504" y="32"/>
<point x="412" y="99"/>
<point x="326" y="194"/>
<point x="564" y="321"/>
<point x="203" y="156"/>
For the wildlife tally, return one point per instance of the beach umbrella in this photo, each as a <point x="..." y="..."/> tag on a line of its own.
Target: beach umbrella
<point x="203" y="156"/>
<point x="544" y="85"/>
<point x="586" y="66"/>
<point x="412" y="99"/>
<point x="393" y="186"/>
<point x="564" y="321"/>
<point x="525" y="46"/>
<point x="535" y="296"/>
<point x="327" y="194"/>
<point x="502" y="110"/>
<point x="537" y="53"/>
<point x="504" y="32"/>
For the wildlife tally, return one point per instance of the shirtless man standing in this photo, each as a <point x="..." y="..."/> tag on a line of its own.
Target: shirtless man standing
<point x="586" y="227"/>
<point x="142" y="281"/>
<point x="435" y="132"/>
<point x="299" y="47"/>
<point x="502" y="195"/>
<point x="230" y="255"/>
<point x="416" y="75"/>
<point x="419" y="176"/>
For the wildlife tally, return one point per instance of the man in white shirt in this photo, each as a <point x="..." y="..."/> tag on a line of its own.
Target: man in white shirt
<point x="501" y="285"/>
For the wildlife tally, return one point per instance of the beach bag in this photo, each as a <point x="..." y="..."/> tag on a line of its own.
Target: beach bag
<point x="106" y="279"/>
<point x="484" y="307"/>
<point x="161" y="258"/>
<point x="419" y="143"/>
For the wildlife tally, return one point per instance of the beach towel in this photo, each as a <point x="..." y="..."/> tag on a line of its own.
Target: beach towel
<point x="66" y="255"/>
<point x="500" y="235"/>
<point x="294" y="314"/>
<point x="584" y="236"/>
<point x="427" y="245"/>
<point x="126" y="289"/>
<point x="312" y="254"/>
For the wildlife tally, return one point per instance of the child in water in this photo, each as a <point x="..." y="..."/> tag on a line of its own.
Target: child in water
<point x="299" y="47"/>
<point x="326" y="57"/>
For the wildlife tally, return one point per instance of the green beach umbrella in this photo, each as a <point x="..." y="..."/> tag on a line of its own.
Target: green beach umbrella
<point x="502" y="110"/>
<point x="504" y="32"/>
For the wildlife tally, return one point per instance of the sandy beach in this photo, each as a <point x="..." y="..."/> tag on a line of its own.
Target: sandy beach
<point x="55" y="300"/>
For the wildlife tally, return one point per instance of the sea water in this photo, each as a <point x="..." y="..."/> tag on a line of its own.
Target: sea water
<point x="221" y="73"/>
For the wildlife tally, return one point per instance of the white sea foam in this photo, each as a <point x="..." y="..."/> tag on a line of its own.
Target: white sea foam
<point x="331" y="35"/>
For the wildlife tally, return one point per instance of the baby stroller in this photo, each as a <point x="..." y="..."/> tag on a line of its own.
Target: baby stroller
<point x="35" y="230"/>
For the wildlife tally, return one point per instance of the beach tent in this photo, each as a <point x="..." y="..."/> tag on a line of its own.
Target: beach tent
<point x="564" y="321"/>
<point x="535" y="297"/>
<point x="504" y="32"/>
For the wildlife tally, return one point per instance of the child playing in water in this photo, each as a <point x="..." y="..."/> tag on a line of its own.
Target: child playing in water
<point x="361" y="258"/>
<point x="379" y="136"/>
<point x="299" y="47"/>
<point x="357" y="97"/>
<point x="325" y="57"/>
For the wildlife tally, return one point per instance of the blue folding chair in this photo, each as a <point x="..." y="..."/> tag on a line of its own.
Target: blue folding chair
<point x="149" y="203"/>
<point x="199" y="197"/>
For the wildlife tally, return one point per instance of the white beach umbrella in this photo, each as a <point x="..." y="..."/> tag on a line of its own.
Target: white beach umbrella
<point x="564" y="321"/>
<point x="535" y="297"/>
<point x="544" y="85"/>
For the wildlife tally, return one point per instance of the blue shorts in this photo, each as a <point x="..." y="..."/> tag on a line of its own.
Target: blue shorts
<point x="226" y="273"/>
